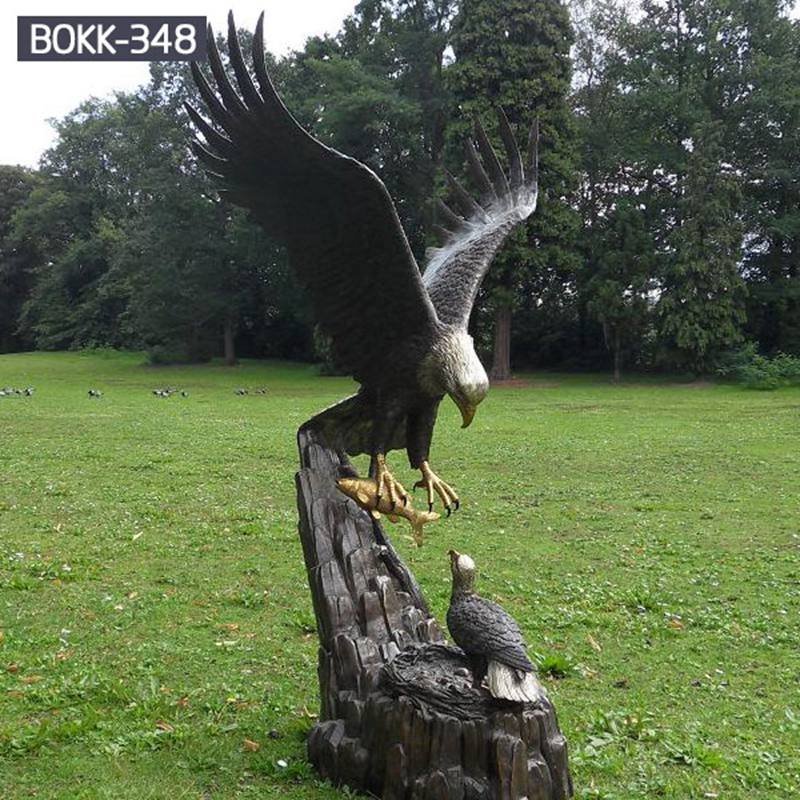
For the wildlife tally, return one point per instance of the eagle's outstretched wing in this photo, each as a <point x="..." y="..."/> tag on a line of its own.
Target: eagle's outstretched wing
<point x="334" y="215"/>
<point x="472" y="237"/>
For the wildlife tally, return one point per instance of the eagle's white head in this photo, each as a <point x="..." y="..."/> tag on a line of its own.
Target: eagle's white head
<point x="452" y="367"/>
<point x="462" y="568"/>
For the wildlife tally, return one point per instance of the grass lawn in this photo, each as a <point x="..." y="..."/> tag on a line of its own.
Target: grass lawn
<point x="156" y="633"/>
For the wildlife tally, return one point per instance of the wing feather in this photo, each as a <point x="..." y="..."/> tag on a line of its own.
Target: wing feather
<point x="334" y="215"/>
<point x="499" y="179"/>
<point x="478" y="173"/>
<point x="481" y="627"/>
<point x="454" y="272"/>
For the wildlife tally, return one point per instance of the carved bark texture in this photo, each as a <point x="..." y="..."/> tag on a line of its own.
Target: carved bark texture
<point x="399" y="718"/>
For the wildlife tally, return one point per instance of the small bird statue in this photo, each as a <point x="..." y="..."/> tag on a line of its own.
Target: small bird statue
<point x="490" y="638"/>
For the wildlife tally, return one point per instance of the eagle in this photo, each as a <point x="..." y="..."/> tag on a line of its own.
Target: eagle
<point x="490" y="638"/>
<point x="399" y="331"/>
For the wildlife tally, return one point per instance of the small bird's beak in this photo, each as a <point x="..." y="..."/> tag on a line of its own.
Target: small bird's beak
<point x="467" y="412"/>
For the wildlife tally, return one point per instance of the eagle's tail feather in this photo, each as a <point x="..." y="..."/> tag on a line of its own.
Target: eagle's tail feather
<point x="347" y="425"/>
<point x="508" y="683"/>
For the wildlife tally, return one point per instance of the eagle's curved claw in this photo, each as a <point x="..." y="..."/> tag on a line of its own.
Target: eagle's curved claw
<point x="387" y="485"/>
<point x="432" y="483"/>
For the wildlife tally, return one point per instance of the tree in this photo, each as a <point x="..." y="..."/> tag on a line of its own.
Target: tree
<point x="701" y="308"/>
<point x="676" y="78"/>
<point x="364" y="115"/>
<point x="669" y="218"/>
<point x="767" y="152"/>
<point x="189" y="247"/>
<point x="395" y="50"/>
<point x="173" y="261"/>
<point x="617" y="274"/>
<point x="133" y="246"/>
<point x="90" y="191"/>
<point x="515" y="54"/>
<point x="16" y="259"/>
<point x="621" y="285"/>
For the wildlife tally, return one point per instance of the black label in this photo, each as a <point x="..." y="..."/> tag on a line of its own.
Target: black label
<point x="111" y="38"/>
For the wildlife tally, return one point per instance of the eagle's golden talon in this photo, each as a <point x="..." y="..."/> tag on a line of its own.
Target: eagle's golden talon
<point x="388" y="486"/>
<point x="429" y="488"/>
<point x="364" y="492"/>
<point x="433" y="484"/>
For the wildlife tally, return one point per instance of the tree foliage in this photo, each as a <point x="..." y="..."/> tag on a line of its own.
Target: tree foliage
<point x="669" y="108"/>
<point x="668" y="230"/>
<point x="17" y="259"/>
<point x="515" y="54"/>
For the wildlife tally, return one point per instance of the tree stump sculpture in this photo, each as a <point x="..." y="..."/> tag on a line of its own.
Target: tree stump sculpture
<point x="399" y="716"/>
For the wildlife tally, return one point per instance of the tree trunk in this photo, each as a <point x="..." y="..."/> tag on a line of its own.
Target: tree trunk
<point x="399" y="716"/>
<point x="501" y="363"/>
<point x="617" y="358"/>
<point x="230" y="347"/>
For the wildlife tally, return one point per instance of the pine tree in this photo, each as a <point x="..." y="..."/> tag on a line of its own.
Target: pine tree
<point x="679" y="72"/>
<point x="515" y="54"/>
<point x="701" y="309"/>
<point x="768" y="154"/>
<point x="620" y="287"/>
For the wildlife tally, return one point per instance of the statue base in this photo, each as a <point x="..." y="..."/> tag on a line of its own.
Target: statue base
<point x="399" y="717"/>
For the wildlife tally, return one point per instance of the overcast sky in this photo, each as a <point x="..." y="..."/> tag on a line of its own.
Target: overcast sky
<point x="32" y="92"/>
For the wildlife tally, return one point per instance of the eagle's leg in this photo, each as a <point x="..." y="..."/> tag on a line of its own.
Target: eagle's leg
<point x="431" y="482"/>
<point x="388" y="485"/>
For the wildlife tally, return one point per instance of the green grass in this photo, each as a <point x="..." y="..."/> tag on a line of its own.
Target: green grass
<point x="154" y="611"/>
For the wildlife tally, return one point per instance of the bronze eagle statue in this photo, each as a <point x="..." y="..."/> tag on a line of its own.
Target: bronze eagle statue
<point x="400" y="333"/>
<point x="490" y="638"/>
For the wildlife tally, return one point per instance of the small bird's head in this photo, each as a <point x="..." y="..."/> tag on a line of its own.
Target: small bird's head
<point x="463" y="569"/>
<point x="454" y="368"/>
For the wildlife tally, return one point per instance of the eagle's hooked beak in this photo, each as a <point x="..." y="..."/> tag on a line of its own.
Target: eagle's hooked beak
<point x="467" y="411"/>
